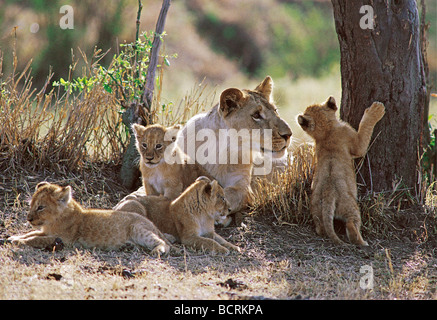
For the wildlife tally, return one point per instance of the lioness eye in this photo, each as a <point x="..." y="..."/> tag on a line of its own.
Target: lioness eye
<point x="158" y="146"/>
<point x="145" y="145"/>
<point x="40" y="208"/>
<point x="256" y="116"/>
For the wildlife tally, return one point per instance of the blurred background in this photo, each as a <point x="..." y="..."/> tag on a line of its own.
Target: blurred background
<point x="223" y="43"/>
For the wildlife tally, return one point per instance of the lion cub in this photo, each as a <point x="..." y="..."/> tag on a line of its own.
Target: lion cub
<point x="163" y="166"/>
<point x="190" y="217"/>
<point x="58" y="215"/>
<point x="334" y="188"/>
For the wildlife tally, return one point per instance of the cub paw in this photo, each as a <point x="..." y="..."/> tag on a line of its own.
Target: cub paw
<point x="376" y="111"/>
<point x="219" y="250"/>
<point x="14" y="240"/>
<point x="238" y="249"/>
<point x="160" y="250"/>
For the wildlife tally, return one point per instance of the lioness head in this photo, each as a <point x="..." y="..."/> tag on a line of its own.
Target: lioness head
<point x="254" y="109"/>
<point x="151" y="142"/>
<point x="318" y="118"/>
<point x="48" y="203"/>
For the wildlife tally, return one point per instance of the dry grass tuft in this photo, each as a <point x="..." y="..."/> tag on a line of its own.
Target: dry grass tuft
<point x="41" y="131"/>
<point x="287" y="196"/>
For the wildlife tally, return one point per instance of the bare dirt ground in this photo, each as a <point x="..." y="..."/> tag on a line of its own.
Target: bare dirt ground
<point x="287" y="261"/>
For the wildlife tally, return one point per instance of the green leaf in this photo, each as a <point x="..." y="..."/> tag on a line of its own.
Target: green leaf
<point x="107" y="88"/>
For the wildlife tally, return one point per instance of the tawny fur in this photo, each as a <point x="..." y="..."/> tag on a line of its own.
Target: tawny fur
<point x="163" y="176"/>
<point x="57" y="215"/>
<point x="238" y="109"/>
<point x="190" y="217"/>
<point x="334" y="188"/>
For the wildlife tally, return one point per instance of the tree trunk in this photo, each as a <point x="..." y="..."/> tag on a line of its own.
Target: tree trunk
<point x="384" y="64"/>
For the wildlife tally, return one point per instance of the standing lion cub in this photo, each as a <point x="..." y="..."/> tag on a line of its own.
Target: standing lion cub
<point x="58" y="215"/>
<point x="334" y="187"/>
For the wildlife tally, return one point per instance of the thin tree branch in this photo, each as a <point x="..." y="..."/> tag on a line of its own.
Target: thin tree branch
<point x="156" y="45"/>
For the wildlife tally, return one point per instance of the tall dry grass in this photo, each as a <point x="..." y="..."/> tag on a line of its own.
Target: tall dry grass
<point x="287" y="195"/>
<point x="48" y="130"/>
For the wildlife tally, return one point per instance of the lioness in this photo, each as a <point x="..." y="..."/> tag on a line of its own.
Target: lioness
<point x="58" y="215"/>
<point x="334" y="187"/>
<point x="164" y="168"/>
<point x="238" y="109"/>
<point x="190" y="217"/>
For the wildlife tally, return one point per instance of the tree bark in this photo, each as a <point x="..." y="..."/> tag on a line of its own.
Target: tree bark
<point x="156" y="46"/>
<point x="384" y="64"/>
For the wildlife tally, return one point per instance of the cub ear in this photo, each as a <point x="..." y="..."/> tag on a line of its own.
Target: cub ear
<point x="266" y="88"/>
<point x="230" y="100"/>
<point x="203" y="178"/>
<point x="171" y="133"/>
<point x="39" y="185"/>
<point x="137" y="128"/>
<point x="330" y="103"/>
<point x="64" y="195"/>
<point x="208" y="189"/>
<point x="177" y="127"/>
<point x="303" y="122"/>
<point x="214" y="184"/>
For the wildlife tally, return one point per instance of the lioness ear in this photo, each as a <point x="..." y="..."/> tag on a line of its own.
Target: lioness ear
<point x="230" y="100"/>
<point x="39" y="185"/>
<point x="266" y="88"/>
<point x="64" y="195"/>
<point x="330" y="103"/>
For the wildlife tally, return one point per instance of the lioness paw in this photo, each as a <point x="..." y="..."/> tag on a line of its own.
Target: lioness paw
<point x="376" y="111"/>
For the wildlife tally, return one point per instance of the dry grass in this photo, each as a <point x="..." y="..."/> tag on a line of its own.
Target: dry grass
<point x="41" y="131"/>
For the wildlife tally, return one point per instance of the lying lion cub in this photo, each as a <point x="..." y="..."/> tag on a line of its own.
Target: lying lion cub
<point x="58" y="215"/>
<point x="190" y="217"/>
<point x="160" y="177"/>
<point x="334" y="187"/>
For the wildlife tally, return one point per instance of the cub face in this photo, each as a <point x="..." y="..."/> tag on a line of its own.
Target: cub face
<point x="318" y="118"/>
<point x="48" y="203"/>
<point x="152" y="141"/>
<point x="214" y="196"/>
